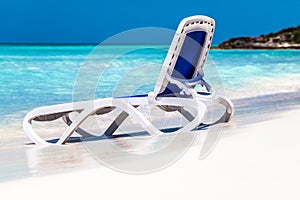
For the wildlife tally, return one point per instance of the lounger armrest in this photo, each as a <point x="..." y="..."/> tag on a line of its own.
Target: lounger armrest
<point x="194" y="81"/>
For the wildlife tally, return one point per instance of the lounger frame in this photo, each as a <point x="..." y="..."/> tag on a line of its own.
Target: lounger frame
<point x="127" y="106"/>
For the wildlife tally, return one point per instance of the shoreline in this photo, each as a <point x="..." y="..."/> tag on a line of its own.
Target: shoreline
<point x="258" y="48"/>
<point x="249" y="113"/>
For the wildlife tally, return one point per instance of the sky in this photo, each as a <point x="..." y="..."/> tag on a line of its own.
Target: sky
<point x="92" y="21"/>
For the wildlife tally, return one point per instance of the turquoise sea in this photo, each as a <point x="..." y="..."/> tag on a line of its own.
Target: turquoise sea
<point x="32" y="76"/>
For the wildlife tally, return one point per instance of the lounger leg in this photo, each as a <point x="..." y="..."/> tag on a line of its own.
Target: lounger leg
<point x="226" y="117"/>
<point x="186" y="114"/>
<point x="61" y="109"/>
<point x="116" y="123"/>
<point x="83" y="133"/>
<point x="109" y="131"/>
<point x="190" y="117"/>
<point x="228" y="112"/>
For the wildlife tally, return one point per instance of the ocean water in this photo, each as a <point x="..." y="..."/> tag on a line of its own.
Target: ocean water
<point x="32" y="76"/>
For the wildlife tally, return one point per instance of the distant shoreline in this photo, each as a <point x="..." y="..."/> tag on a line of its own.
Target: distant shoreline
<point x="262" y="48"/>
<point x="213" y="47"/>
<point x="288" y="38"/>
<point x="257" y="48"/>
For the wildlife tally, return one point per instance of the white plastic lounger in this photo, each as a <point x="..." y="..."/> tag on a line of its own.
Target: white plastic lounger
<point x="174" y="91"/>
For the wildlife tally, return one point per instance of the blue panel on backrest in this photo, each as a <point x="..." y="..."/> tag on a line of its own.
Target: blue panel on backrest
<point x="187" y="60"/>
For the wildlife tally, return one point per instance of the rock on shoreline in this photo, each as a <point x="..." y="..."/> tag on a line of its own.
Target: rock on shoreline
<point x="288" y="38"/>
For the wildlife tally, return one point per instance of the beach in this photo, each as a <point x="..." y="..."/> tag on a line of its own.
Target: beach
<point x="256" y="155"/>
<point x="253" y="160"/>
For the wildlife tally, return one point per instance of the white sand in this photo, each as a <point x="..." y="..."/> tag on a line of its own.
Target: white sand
<point x="255" y="161"/>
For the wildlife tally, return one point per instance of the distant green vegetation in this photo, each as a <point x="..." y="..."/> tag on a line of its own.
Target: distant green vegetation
<point x="290" y="35"/>
<point x="297" y="37"/>
<point x="285" y="38"/>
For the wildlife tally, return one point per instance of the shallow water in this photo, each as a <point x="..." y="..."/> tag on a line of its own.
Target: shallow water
<point x="32" y="76"/>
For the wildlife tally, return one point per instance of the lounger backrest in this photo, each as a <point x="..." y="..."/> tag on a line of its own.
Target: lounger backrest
<point x="187" y="53"/>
